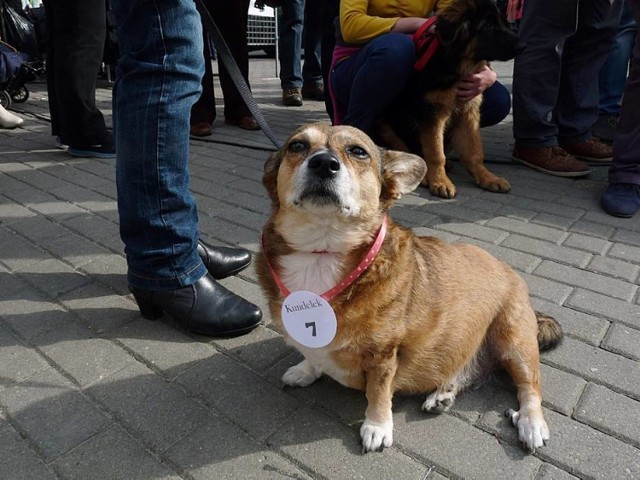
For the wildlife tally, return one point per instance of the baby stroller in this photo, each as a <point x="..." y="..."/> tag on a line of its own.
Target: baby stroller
<point x="16" y="70"/>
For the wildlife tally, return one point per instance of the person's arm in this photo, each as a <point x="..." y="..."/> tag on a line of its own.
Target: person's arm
<point x="357" y="26"/>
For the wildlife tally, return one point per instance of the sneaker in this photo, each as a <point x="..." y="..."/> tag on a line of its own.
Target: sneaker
<point x="60" y="144"/>
<point x="315" y="91"/>
<point x="605" y="128"/>
<point x="292" y="97"/>
<point x="621" y="199"/>
<point x="106" y="150"/>
<point x="551" y="160"/>
<point x="593" y="151"/>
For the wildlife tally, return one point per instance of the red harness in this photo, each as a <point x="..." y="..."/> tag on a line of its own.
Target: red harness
<point x="426" y="43"/>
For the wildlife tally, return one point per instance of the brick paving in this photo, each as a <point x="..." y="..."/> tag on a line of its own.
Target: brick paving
<point x="91" y="390"/>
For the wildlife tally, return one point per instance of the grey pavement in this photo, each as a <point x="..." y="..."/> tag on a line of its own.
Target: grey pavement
<point x="91" y="390"/>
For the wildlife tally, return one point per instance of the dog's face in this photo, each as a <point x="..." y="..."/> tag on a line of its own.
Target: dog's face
<point x="338" y="171"/>
<point x="476" y="28"/>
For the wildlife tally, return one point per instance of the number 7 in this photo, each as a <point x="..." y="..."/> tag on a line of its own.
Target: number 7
<point x="313" y="326"/>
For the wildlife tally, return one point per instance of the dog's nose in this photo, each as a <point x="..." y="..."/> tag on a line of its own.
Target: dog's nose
<point x="324" y="165"/>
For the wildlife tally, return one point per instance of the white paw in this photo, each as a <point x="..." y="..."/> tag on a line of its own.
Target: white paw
<point x="439" y="402"/>
<point x="301" y="375"/>
<point x="532" y="429"/>
<point x="375" y="436"/>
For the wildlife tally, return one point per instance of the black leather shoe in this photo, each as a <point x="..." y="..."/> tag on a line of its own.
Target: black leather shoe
<point x="222" y="262"/>
<point x="205" y="307"/>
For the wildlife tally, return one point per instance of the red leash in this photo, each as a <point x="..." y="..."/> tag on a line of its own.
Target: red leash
<point x="426" y="43"/>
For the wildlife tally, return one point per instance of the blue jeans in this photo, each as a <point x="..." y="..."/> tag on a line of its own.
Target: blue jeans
<point x="293" y="25"/>
<point x="157" y="81"/>
<point x="613" y="74"/>
<point x="369" y="81"/>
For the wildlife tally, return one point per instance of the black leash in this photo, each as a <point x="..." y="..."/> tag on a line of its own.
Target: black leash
<point x="239" y="81"/>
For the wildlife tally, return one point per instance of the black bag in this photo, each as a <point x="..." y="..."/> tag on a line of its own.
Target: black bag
<point x="21" y="33"/>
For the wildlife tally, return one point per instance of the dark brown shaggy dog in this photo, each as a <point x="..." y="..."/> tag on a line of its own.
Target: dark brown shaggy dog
<point x="423" y="317"/>
<point x="471" y="33"/>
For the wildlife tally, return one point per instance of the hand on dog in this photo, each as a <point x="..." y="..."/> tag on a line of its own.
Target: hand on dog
<point x="473" y="85"/>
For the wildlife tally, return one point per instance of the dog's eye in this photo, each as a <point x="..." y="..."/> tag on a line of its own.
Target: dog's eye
<point x="298" y="146"/>
<point x="357" y="152"/>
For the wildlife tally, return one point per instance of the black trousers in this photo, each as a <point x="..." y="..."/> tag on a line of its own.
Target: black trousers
<point x="231" y="17"/>
<point x="76" y="37"/>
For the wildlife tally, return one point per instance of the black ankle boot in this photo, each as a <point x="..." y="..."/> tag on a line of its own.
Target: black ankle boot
<point x="222" y="262"/>
<point x="205" y="307"/>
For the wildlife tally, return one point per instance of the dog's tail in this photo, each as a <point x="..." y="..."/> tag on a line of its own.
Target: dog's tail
<point x="550" y="332"/>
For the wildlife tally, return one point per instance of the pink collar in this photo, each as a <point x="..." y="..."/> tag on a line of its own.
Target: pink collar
<point x="360" y="269"/>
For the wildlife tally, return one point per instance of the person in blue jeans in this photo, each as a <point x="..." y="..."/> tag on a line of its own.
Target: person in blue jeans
<point x="613" y="76"/>
<point x="622" y="196"/>
<point x="300" y="25"/>
<point x="158" y="79"/>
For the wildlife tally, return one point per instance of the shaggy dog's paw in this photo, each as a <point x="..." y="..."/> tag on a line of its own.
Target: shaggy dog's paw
<point x="375" y="436"/>
<point x="496" y="185"/>
<point x="301" y="375"/>
<point x="439" y="402"/>
<point x="532" y="429"/>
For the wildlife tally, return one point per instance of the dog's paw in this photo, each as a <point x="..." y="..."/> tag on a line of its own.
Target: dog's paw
<point x="375" y="436"/>
<point x="496" y="185"/>
<point x="532" y="429"/>
<point x="301" y="375"/>
<point x="439" y="402"/>
<point x="442" y="189"/>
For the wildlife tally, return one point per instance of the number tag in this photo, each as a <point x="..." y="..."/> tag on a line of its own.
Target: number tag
<point x="309" y="319"/>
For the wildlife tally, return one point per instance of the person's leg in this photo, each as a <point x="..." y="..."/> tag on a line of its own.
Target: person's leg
<point x="289" y="49"/>
<point x="496" y="104"/>
<point x="622" y="197"/>
<point x="232" y="18"/>
<point x="544" y="27"/>
<point x="79" y="36"/>
<point x="312" y="85"/>
<point x="613" y="74"/>
<point x="329" y="15"/>
<point x="370" y="80"/>
<point x="51" y="67"/>
<point x="158" y="81"/>
<point x="203" y="112"/>
<point x="582" y="58"/>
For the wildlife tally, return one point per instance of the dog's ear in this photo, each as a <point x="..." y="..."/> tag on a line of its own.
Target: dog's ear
<point x="401" y="173"/>
<point x="270" y="177"/>
<point x="454" y="35"/>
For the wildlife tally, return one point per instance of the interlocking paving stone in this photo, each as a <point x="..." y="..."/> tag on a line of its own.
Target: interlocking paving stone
<point x="52" y="413"/>
<point x="547" y="250"/>
<point x="585" y="327"/>
<point x="560" y="390"/>
<point x="610" y="412"/>
<point x="587" y="280"/>
<point x="541" y="232"/>
<point x="615" y="268"/>
<point x="111" y="454"/>
<point x="18" y="361"/>
<point x="157" y="411"/>
<point x="18" y="460"/>
<point x="605" y="307"/>
<point x="597" y="365"/>
<point x="234" y="389"/>
<point x="333" y="450"/>
<point x="623" y="340"/>
<point x="219" y="449"/>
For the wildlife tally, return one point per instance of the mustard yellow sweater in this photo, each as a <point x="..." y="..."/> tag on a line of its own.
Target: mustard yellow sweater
<point x="362" y="20"/>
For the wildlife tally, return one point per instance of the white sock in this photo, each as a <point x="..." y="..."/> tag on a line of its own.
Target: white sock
<point x="8" y="119"/>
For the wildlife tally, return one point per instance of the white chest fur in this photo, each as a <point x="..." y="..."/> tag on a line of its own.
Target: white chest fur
<point x="315" y="272"/>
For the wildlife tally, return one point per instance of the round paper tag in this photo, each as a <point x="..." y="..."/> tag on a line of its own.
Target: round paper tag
<point x="309" y="319"/>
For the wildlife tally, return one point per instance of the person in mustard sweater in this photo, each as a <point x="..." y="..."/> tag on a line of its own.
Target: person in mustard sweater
<point x="374" y="57"/>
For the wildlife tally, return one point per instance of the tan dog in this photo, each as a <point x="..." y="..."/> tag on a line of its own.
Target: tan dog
<point x="422" y="316"/>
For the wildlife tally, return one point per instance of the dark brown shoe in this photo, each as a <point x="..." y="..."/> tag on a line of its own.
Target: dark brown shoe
<point x="593" y="150"/>
<point x="314" y="91"/>
<point x="292" y="97"/>
<point x="551" y="160"/>
<point x="200" y="129"/>
<point x="246" y="123"/>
